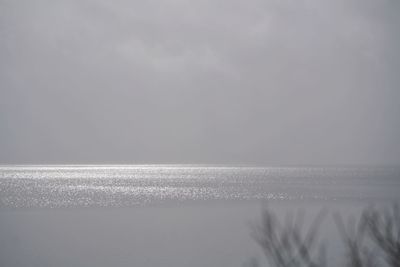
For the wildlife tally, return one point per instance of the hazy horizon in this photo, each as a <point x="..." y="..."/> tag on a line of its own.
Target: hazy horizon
<point x="201" y="165"/>
<point x="266" y="83"/>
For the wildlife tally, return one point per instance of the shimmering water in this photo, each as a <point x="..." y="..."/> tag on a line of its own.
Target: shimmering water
<point x="124" y="186"/>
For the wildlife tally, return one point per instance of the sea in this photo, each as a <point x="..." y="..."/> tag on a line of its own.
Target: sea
<point x="125" y="186"/>
<point x="173" y="215"/>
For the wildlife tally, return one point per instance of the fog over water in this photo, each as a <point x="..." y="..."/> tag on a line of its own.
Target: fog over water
<point x="262" y="82"/>
<point x="230" y="106"/>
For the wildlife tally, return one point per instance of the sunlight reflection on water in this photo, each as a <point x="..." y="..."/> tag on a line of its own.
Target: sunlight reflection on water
<point x="121" y="186"/>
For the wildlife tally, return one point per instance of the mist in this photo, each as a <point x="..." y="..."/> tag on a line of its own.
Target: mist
<point x="218" y="82"/>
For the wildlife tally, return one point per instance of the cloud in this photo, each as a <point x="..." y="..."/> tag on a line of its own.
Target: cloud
<point x="263" y="82"/>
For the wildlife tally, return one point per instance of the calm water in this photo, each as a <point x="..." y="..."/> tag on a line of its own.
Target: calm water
<point x="125" y="186"/>
<point x="206" y="222"/>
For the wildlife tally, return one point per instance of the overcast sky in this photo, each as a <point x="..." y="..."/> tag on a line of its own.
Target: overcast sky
<point x="265" y="82"/>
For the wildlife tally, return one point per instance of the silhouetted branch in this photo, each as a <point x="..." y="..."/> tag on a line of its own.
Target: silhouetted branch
<point x="377" y="232"/>
<point x="384" y="230"/>
<point x="286" y="246"/>
<point x="353" y="235"/>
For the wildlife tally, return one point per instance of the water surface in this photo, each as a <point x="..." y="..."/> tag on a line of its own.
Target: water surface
<point x="124" y="186"/>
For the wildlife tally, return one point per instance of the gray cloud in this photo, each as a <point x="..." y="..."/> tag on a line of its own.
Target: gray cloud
<point x="175" y="81"/>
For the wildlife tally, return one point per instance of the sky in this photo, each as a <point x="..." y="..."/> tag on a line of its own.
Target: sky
<point x="263" y="82"/>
